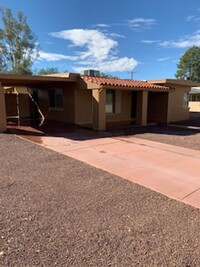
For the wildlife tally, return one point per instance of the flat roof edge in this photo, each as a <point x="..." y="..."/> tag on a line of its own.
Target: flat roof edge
<point x="72" y="77"/>
<point x="174" y="82"/>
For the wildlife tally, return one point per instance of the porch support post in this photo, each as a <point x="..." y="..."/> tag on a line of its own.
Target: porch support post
<point x="142" y="108"/>
<point x="98" y="109"/>
<point x="2" y="111"/>
<point x="169" y="107"/>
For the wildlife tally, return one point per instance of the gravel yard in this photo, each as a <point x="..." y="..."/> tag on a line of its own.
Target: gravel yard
<point x="178" y="136"/>
<point x="175" y="134"/>
<point x="57" y="211"/>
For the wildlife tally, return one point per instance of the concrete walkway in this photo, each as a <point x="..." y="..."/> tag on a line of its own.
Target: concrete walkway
<point x="171" y="170"/>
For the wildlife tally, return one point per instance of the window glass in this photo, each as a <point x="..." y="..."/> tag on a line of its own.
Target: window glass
<point x="110" y="101"/>
<point x="52" y="98"/>
<point x="56" y="98"/>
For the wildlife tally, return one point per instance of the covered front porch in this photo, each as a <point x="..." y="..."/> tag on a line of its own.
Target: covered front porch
<point x="120" y="108"/>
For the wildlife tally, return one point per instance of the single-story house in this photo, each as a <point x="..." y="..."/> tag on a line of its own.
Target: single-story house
<point x="96" y="101"/>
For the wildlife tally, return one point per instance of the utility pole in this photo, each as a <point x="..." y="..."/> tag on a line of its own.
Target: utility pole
<point x="132" y="72"/>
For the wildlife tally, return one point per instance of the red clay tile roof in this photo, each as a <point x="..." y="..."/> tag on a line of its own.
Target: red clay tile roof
<point x="123" y="83"/>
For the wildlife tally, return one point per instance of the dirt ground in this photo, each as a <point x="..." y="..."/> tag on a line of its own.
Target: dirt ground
<point x="175" y="134"/>
<point x="57" y="211"/>
<point x="189" y="138"/>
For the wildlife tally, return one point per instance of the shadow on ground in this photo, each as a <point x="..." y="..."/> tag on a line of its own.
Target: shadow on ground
<point x="80" y="133"/>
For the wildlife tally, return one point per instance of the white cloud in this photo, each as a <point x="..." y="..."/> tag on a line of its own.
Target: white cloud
<point x="97" y="50"/>
<point x="150" y="41"/>
<point x="188" y="41"/>
<point x="116" y="35"/>
<point x="97" y="44"/>
<point x="54" y="57"/>
<point x="141" y="23"/>
<point x="162" y="59"/>
<point x="119" y="65"/>
<point x="192" y="18"/>
<point x="102" y="25"/>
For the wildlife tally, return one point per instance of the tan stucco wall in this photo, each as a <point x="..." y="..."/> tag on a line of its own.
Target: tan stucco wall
<point x="176" y="111"/>
<point x="63" y="115"/>
<point x="194" y="106"/>
<point x="142" y="107"/>
<point x="24" y="106"/>
<point x="2" y="111"/>
<point x="11" y="104"/>
<point x="83" y="106"/>
<point x="98" y="109"/>
<point x="21" y="90"/>
<point x="125" y="109"/>
<point x="157" y="107"/>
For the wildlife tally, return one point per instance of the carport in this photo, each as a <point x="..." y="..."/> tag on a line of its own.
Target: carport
<point x="45" y="82"/>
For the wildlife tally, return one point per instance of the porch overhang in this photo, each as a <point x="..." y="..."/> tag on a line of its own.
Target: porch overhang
<point x="122" y="88"/>
<point x="29" y="80"/>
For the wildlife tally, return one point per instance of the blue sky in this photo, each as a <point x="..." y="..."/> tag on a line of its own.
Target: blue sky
<point x="118" y="37"/>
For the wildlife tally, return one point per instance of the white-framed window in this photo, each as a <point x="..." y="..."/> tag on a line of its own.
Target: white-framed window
<point x="195" y="98"/>
<point x="56" y="98"/>
<point x="185" y="99"/>
<point x="110" y="101"/>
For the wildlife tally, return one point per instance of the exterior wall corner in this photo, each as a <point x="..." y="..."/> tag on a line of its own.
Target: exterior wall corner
<point x="2" y="111"/>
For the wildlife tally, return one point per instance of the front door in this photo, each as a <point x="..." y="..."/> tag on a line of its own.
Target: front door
<point x="133" y="105"/>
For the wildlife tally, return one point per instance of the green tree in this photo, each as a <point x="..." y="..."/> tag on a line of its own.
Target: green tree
<point x="189" y="65"/>
<point x="47" y="71"/>
<point x="18" y="47"/>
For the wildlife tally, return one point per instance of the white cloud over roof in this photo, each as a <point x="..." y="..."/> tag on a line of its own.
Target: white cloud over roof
<point x="54" y="57"/>
<point x="120" y="64"/>
<point x="97" y="45"/>
<point x="92" y="49"/>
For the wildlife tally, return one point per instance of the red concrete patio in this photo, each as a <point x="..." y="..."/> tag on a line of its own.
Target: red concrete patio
<point x="171" y="170"/>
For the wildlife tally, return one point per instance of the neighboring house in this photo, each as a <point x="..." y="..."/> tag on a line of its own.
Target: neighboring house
<point x="194" y="100"/>
<point x="102" y="102"/>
